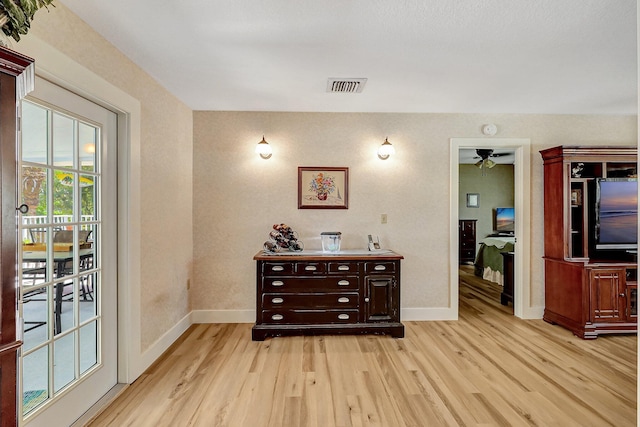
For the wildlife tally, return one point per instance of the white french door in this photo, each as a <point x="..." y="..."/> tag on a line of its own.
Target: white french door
<point x="67" y="268"/>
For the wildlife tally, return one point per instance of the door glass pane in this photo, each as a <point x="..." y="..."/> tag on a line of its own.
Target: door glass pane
<point x="35" y="379"/>
<point x="87" y="136"/>
<point x="34" y="194"/>
<point x="89" y="344"/>
<point x="87" y="198"/>
<point x="35" y="313"/>
<point x="63" y="186"/>
<point x="34" y="137"/>
<point x="63" y="361"/>
<point x="63" y="138"/>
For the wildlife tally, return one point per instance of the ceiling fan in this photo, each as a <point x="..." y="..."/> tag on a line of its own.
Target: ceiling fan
<point x="484" y="155"/>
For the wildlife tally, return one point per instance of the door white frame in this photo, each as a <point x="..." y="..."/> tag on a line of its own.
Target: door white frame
<point x="522" y="198"/>
<point x="58" y="68"/>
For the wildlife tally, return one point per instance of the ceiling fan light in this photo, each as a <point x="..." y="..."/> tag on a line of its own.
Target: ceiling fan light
<point x="490" y="163"/>
<point x="480" y="164"/>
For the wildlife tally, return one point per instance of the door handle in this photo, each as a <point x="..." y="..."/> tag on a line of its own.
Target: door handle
<point x="23" y="208"/>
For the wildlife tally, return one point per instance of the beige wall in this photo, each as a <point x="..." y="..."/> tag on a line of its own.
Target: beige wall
<point x="238" y="196"/>
<point x="208" y="199"/>
<point x="495" y="189"/>
<point x="166" y="166"/>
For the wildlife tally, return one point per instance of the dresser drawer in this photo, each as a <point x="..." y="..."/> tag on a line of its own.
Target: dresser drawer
<point x="467" y="254"/>
<point x="343" y="267"/>
<point x="277" y="268"/>
<point x="380" y="267"/>
<point x="310" y="267"/>
<point x="309" y="284"/>
<point x="330" y="300"/>
<point x="467" y="244"/>
<point x="309" y="317"/>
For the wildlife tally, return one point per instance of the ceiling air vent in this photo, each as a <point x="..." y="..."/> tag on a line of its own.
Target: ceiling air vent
<point x="345" y="85"/>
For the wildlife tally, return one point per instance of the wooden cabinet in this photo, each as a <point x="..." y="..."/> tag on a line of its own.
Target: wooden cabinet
<point x="467" y="240"/>
<point x="12" y="65"/>
<point x="507" y="283"/>
<point x="308" y="293"/>
<point x="588" y="291"/>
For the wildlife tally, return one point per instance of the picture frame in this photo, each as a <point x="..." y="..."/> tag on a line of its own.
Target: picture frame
<point x="473" y="200"/>
<point x="323" y="187"/>
<point x="576" y="197"/>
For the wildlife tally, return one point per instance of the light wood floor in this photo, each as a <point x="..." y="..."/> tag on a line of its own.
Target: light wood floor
<point x="487" y="369"/>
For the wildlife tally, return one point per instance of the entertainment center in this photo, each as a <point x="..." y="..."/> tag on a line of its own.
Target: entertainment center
<point x="590" y="239"/>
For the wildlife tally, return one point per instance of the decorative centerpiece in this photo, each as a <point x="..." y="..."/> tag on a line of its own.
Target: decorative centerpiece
<point x="283" y="237"/>
<point x="331" y="241"/>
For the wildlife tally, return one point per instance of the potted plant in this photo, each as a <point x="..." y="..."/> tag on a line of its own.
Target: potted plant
<point x="16" y="15"/>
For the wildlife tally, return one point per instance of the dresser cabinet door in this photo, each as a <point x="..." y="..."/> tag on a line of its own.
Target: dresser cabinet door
<point x="381" y="299"/>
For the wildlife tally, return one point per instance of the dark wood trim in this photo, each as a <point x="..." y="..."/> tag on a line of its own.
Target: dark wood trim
<point x="12" y="64"/>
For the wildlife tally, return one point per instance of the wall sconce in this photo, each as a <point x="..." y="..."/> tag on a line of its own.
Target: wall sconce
<point x="264" y="149"/>
<point x="385" y="150"/>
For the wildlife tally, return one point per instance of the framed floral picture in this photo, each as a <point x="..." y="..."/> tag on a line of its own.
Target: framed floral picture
<point x="323" y="187"/>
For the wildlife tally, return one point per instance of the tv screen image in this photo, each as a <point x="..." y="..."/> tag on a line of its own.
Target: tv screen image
<point x="505" y="219"/>
<point x="617" y="213"/>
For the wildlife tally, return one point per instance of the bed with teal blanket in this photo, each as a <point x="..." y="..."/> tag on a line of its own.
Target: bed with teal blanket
<point x="488" y="263"/>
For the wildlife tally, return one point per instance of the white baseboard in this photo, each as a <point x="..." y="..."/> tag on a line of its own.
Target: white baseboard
<point x="438" y="313"/>
<point x="533" y="313"/>
<point x="223" y="316"/>
<point x="156" y="349"/>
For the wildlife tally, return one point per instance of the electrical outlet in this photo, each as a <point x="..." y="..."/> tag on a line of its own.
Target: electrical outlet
<point x="383" y="218"/>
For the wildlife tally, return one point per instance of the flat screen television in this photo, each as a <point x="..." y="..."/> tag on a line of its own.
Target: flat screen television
<point x="616" y="219"/>
<point x="505" y="220"/>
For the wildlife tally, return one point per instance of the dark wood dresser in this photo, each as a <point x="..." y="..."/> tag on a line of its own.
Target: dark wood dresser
<point x="313" y="293"/>
<point x="467" y="243"/>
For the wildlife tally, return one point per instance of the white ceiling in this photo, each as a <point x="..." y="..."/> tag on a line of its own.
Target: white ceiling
<point x="450" y="56"/>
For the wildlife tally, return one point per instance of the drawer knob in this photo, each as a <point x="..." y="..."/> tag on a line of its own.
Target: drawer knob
<point x="343" y="283"/>
<point x="310" y="268"/>
<point x="366" y="299"/>
<point x="343" y="316"/>
<point x="379" y="268"/>
<point x="277" y="317"/>
<point x="277" y="283"/>
<point x="277" y="268"/>
<point x="343" y="299"/>
<point x="343" y="268"/>
<point x="277" y="300"/>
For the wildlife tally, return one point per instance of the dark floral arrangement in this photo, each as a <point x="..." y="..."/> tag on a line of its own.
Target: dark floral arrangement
<point x="16" y="15"/>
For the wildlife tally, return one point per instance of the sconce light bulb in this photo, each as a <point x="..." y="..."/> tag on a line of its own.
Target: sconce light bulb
<point x="264" y="149"/>
<point x="385" y="150"/>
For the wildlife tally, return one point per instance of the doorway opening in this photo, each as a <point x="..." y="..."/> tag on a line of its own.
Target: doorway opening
<point x="519" y="148"/>
<point x="486" y="221"/>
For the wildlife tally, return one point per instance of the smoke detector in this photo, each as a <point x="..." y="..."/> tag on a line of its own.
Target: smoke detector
<point x="336" y="85"/>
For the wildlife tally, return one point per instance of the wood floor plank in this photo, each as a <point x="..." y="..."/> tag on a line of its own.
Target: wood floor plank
<point x="486" y="369"/>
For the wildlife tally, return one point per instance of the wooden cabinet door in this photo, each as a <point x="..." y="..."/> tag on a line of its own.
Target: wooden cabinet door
<point x="608" y="301"/>
<point x="632" y="303"/>
<point x="381" y="301"/>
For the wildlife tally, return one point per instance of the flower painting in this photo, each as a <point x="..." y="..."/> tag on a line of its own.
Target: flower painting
<point x="322" y="188"/>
